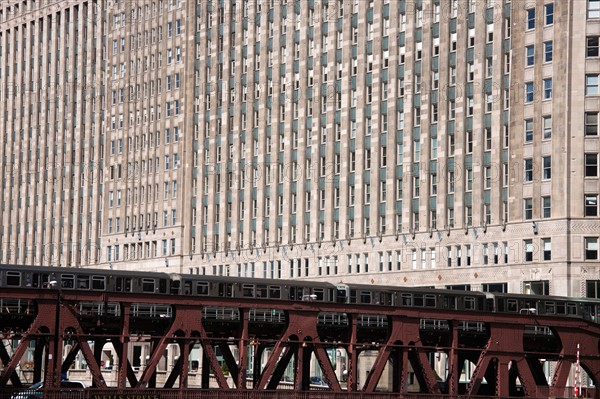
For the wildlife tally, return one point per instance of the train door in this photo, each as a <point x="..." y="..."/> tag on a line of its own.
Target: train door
<point x="40" y="280"/>
<point x="123" y="284"/>
<point x="187" y="287"/>
<point x="175" y="286"/>
<point x="226" y="290"/>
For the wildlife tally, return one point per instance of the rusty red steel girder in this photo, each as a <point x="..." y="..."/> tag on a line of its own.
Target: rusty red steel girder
<point x="56" y="320"/>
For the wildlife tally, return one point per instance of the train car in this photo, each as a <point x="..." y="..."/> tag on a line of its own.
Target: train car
<point x="585" y="308"/>
<point x="243" y="287"/>
<point x="67" y="278"/>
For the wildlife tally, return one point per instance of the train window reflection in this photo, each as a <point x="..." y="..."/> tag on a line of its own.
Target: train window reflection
<point x="275" y="292"/>
<point x="261" y="291"/>
<point x="406" y="300"/>
<point x="550" y="307"/>
<point x="83" y="282"/>
<point x="248" y="290"/>
<point x="202" y="288"/>
<point x="98" y="282"/>
<point x="571" y="308"/>
<point x="67" y="281"/>
<point x="511" y="305"/>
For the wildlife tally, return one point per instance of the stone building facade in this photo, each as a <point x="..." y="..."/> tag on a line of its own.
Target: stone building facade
<point x="424" y="143"/>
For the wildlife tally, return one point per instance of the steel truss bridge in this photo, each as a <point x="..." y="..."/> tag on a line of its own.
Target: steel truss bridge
<point x="507" y="350"/>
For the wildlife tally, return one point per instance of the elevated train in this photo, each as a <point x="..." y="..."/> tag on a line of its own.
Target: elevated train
<point x="35" y="277"/>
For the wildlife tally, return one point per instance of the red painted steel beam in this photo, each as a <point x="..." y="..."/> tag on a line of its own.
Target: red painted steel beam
<point x="5" y="357"/>
<point x="505" y="344"/>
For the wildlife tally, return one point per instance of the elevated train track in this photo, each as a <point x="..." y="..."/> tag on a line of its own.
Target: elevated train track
<point x="502" y="346"/>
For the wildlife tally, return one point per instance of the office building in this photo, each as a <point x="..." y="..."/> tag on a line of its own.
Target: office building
<point x="424" y="143"/>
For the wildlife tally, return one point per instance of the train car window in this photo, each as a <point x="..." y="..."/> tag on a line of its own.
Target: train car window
<point x="99" y="283"/>
<point x="406" y="299"/>
<point x="202" y="288"/>
<point x="128" y="283"/>
<point x="13" y="279"/>
<point x="119" y="284"/>
<point x="418" y="300"/>
<point x="274" y="292"/>
<point x="83" y="282"/>
<point x="175" y="287"/>
<point x="511" y="305"/>
<point x="571" y="308"/>
<point x="261" y="291"/>
<point x="365" y="297"/>
<point x="499" y="305"/>
<point x="162" y="285"/>
<point x="187" y="287"/>
<point x="319" y="294"/>
<point x="248" y="290"/>
<point x="549" y="308"/>
<point x="469" y="303"/>
<point x="560" y="308"/>
<point x="67" y="281"/>
<point x="148" y="285"/>
<point x="430" y="300"/>
<point x="330" y="295"/>
<point x="449" y="302"/>
<point x="292" y="293"/>
<point x="352" y="296"/>
<point x="28" y="280"/>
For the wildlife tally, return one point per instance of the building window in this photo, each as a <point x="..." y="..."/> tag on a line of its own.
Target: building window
<point x="548" y="51"/>
<point x="592" y="288"/>
<point x="591" y="84"/>
<point x="528" y="169"/>
<point x="591" y="248"/>
<point x="529" y="55"/>
<point x="547" y="248"/>
<point x="546" y="127"/>
<point x="528" y="246"/>
<point x="547" y="167"/>
<point x="531" y="18"/>
<point x="591" y="205"/>
<point x="547" y="88"/>
<point x="528" y="92"/>
<point x="549" y="12"/>
<point x="591" y="165"/>
<point x="593" y="9"/>
<point x="592" y="46"/>
<point x="539" y="287"/>
<point x="528" y="208"/>
<point x="591" y="123"/>
<point x="546" y="207"/>
<point x="528" y="130"/>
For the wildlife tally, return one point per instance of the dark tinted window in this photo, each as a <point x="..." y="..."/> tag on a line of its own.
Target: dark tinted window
<point x="13" y="279"/>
